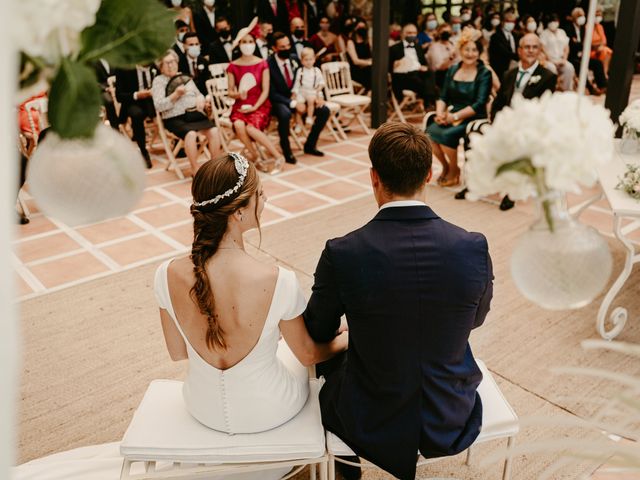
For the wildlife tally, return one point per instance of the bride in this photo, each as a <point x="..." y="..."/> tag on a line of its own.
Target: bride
<point x="224" y="311"/>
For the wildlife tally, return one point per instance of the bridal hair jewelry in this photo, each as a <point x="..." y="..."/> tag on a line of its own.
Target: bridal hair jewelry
<point x="242" y="166"/>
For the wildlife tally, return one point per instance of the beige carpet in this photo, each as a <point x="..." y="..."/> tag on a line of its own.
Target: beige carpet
<point x="90" y="351"/>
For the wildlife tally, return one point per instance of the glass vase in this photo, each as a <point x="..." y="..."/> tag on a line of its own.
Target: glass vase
<point x="630" y="142"/>
<point x="559" y="263"/>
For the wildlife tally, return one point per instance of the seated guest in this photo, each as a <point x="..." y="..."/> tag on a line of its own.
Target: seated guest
<point x="599" y="48"/>
<point x="133" y="91"/>
<point x="307" y="87"/>
<point x="347" y="26"/>
<point x="198" y="65"/>
<point x="428" y="31"/>
<point x="181" y="30"/>
<point x="221" y="51"/>
<point x="412" y="287"/>
<point x="465" y="17"/>
<point x="181" y="10"/>
<point x="503" y="46"/>
<point x="442" y="53"/>
<point x="224" y="312"/>
<point x="103" y="72"/>
<point x="263" y="40"/>
<point x="204" y="19"/>
<point x="181" y="110"/>
<point x="490" y="27"/>
<point x="555" y="44"/>
<point x="282" y="68"/>
<point x="456" y="29"/>
<point x="249" y="87"/>
<point x="327" y="40"/>
<point x="576" y="31"/>
<point x="359" y="55"/>
<point x="298" y="40"/>
<point x="463" y="98"/>
<point x="409" y="67"/>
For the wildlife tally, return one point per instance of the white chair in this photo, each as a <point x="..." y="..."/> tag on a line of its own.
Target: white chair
<point x="409" y="101"/>
<point x="340" y="90"/>
<point x="218" y="90"/>
<point x="170" y="443"/>
<point x="498" y="421"/>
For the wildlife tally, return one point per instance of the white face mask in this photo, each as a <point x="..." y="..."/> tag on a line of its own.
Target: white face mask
<point x="495" y="22"/>
<point x="553" y="26"/>
<point x="181" y="36"/>
<point x="531" y="26"/>
<point x="176" y="3"/>
<point x="581" y="21"/>
<point x="509" y="26"/>
<point x="465" y="17"/>
<point x="209" y="3"/>
<point x="194" y="51"/>
<point x="248" y="48"/>
<point x="599" y="19"/>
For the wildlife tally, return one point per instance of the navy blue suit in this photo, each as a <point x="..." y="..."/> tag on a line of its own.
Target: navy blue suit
<point x="280" y="97"/>
<point x="412" y="287"/>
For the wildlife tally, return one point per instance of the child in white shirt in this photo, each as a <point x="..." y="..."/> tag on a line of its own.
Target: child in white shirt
<point x="307" y="87"/>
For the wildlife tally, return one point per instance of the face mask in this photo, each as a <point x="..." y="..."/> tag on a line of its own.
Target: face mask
<point x="410" y="38"/>
<point x="531" y="27"/>
<point x="432" y="24"/>
<point x="445" y="36"/>
<point x="176" y="3"/>
<point x="181" y="36"/>
<point x="495" y="22"/>
<point x="456" y="28"/>
<point x="553" y="26"/>
<point x="581" y="21"/>
<point x="509" y="26"/>
<point x="247" y="48"/>
<point x="269" y="38"/>
<point x="284" y="54"/>
<point x="194" y="51"/>
<point x="362" y="32"/>
<point x="598" y="19"/>
<point x="299" y="33"/>
<point x="209" y="3"/>
<point x="465" y="17"/>
<point x="225" y="33"/>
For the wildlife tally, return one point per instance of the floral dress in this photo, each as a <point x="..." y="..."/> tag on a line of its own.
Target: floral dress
<point x="261" y="117"/>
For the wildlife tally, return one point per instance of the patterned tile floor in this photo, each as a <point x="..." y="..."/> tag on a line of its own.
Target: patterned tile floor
<point x="48" y="255"/>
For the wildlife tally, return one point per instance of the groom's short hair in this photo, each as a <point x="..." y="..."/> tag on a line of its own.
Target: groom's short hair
<point x="401" y="155"/>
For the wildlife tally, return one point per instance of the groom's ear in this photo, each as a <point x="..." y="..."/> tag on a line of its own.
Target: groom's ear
<point x="375" y="178"/>
<point x="428" y="179"/>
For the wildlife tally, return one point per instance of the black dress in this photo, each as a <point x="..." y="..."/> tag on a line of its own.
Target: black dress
<point x="362" y="75"/>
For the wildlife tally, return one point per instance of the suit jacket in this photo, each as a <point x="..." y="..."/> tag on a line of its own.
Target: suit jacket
<point x="305" y="44"/>
<point x="280" y="21"/>
<point x="500" y="53"/>
<point x="218" y="54"/>
<point x="313" y="15"/>
<point x="412" y="287"/>
<point x="279" y="92"/>
<point x="575" y="44"/>
<point x="396" y="52"/>
<point x="183" y="62"/>
<point x="126" y="86"/>
<point x="201" y="73"/>
<point x="503" y="98"/>
<point x="206" y="32"/>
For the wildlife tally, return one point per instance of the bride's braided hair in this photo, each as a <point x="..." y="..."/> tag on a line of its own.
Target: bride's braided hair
<point x="209" y="226"/>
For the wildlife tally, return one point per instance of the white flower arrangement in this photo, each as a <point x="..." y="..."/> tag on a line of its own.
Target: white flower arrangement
<point x="554" y="142"/>
<point x="630" y="117"/>
<point x="630" y="182"/>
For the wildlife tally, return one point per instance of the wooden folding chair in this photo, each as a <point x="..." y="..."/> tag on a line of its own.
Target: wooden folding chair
<point x="218" y="90"/>
<point x="173" y="144"/>
<point x="340" y="90"/>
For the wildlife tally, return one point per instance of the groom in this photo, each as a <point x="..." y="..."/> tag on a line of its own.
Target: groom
<point x="412" y="287"/>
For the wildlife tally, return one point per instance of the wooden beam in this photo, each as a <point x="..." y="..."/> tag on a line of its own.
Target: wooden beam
<point x="622" y="64"/>
<point x="380" y="68"/>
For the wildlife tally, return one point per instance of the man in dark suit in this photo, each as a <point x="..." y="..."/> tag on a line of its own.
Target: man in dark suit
<point x="408" y="67"/>
<point x="103" y="72"/>
<point x="181" y="30"/>
<point x="221" y="50"/>
<point x="264" y="39"/>
<point x="133" y="91"/>
<point x="312" y="11"/>
<point x="198" y="67"/>
<point x="412" y="287"/>
<point x="576" y="32"/>
<point x="275" y="12"/>
<point x="282" y="69"/>
<point x="503" y="46"/>
<point x="298" y="38"/>
<point x="204" y="19"/>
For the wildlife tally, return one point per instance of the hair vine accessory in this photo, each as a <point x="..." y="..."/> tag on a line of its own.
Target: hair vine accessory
<point x="242" y="166"/>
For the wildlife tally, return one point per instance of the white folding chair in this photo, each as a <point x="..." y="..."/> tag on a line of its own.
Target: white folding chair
<point x="170" y="443"/>
<point x="498" y="421"/>
<point x="340" y="90"/>
<point x="173" y="144"/>
<point x="218" y="90"/>
<point x="409" y="101"/>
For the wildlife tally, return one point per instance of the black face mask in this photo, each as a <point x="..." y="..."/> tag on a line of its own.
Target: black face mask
<point x="299" y="33"/>
<point x="225" y="33"/>
<point x="284" y="54"/>
<point x="362" y="32"/>
<point x="445" y="36"/>
<point x="411" y="38"/>
<point x="269" y="38"/>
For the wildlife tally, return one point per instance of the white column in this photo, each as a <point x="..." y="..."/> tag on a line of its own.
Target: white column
<point x="8" y="180"/>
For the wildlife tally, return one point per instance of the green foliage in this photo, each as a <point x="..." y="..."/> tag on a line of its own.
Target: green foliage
<point x="74" y="101"/>
<point x="128" y="32"/>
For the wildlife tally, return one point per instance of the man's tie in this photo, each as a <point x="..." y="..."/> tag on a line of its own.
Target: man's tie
<point x="287" y="75"/>
<point x="274" y="7"/>
<point x="521" y="74"/>
<point x="194" y="69"/>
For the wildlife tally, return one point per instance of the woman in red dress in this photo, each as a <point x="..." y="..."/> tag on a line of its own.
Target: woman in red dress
<point x="249" y="86"/>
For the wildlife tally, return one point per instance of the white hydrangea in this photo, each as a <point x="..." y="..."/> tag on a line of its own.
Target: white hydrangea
<point x="564" y="135"/>
<point x="631" y="116"/>
<point x="50" y="28"/>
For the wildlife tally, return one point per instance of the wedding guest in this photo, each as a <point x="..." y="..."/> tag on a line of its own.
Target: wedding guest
<point x="182" y="11"/>
<point x="181" y="110"/>
<point x="359" y="55"/>
<point x="347" y="27"/>
<point x="503" y="46"/>
<point x="275" y="12"/>
<point x="249" y="87"/>
<point x="224" y="312"/>
<point x="133" y="91"/>
<point x="409" y="67"/>
<point x="428" y="32"/>
<point x="263" y="40"/>
<point x="204" y="19"/>
<point x="198" y="67"/>
<point x="298" y="38"/>
<point x="463" y="98"/>
<point x="442" y="54"/>
<point x="103" y="72"/>
<point x="325" y="39"/>
<point x="336" y="9"/>
<point x="576" y="32"/>
<point x="282" y="68"/>
<point x="307" y="87"/>
<point x="311" y="11"/>
<point x="456" y="28"/>
<point x="221" y="50"/>
<point x="412" y="286"/>
<point x="490" y="27"/>
<point x="599" y="48"/>
<point x="555" y="44"/>
<point x="465" y="16"/>
<point x="181" y="30"/>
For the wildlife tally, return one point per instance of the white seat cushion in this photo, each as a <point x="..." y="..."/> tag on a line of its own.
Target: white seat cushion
<point x="162" y="429"/>
<point x="351" y="100"/>
<point x="498" y="418"/>
<point x="332" y="106"/>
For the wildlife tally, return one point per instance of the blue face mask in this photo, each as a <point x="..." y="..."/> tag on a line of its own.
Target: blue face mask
<point x="194" y="51"/>
<point x="455" y="27"/>
<point x="432" y="24"/>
